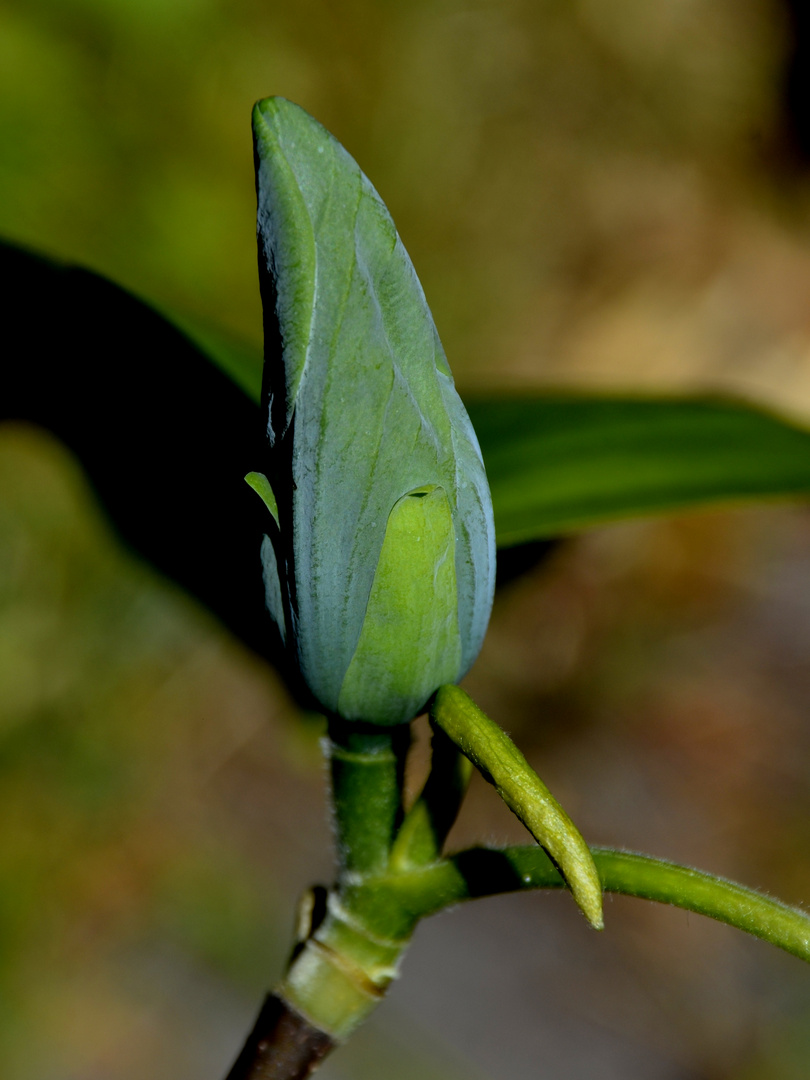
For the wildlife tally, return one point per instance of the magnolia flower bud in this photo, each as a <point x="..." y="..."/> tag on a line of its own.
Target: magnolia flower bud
<point x="379" y="560"/>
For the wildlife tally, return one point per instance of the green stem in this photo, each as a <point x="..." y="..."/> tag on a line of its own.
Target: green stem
<point x="341" y="967"/>
<point x="486" y="872"/>
<point x="367" y="765"/>
<point x="342" y="971"/>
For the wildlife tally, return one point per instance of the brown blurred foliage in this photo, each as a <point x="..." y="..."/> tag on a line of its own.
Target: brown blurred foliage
<point x="598" y="192"/>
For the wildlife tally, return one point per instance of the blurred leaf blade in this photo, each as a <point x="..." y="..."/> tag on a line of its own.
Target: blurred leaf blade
<point x="239" y="360"/>
<point x="164" y="435"/>
<point x="561" y="462"/>
<point x="557" y="462"/>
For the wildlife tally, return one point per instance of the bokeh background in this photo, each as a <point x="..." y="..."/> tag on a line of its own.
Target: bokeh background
<point x="601" y="193"/>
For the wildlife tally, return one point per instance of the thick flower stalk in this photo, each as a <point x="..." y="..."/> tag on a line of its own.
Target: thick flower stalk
<point x="379" y="559"/>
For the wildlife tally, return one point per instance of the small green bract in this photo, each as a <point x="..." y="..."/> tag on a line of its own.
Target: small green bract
<point x="379" y="568"/>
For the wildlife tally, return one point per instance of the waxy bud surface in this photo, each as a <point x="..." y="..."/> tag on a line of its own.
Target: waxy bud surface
<point x="379" y="557"/>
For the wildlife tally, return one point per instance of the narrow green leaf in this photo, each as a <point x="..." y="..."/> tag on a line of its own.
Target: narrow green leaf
<point x="482" y="871"/>
<point x="494" y="754"/>
<point x="559" y="463"/>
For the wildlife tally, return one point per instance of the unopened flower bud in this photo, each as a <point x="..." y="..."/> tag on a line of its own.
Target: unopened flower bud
<point x="379" y="559"/>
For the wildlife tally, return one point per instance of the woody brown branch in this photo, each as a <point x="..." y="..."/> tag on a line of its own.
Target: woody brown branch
<point x="281" y="1046"/>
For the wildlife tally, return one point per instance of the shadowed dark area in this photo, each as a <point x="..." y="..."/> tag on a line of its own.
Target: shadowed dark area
<point x="487" y="872"/>
<point x="514" y="562"/>
<point x="164" y="437"/>
<point x="162" y="434"/>
<point x="797" y="79"/>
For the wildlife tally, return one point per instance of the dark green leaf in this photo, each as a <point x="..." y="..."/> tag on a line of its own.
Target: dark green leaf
<point x="166" y="439"/>
<point x="559" y="463"/>
<point x="164" y="436"/>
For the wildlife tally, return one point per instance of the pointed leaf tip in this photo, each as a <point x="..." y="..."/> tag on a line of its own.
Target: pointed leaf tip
<point x="494" y="754"/>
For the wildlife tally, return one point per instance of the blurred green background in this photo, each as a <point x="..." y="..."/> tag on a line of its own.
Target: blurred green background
<point x="594" y="193"/>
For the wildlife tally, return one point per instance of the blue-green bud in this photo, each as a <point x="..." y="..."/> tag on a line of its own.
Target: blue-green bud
<point x="379" y="557"/>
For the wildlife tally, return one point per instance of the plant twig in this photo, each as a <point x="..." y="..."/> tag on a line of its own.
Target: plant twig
<point x="487" y="871"/>
<point x="281" y="1046"/>
<point x="367" y="766"/>
<point x="500" y="762"/>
